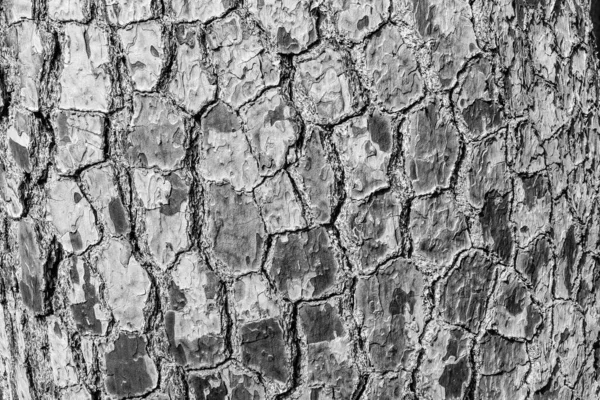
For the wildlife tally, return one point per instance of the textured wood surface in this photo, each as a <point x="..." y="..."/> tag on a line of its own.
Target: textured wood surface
<point x="299" y="199"/>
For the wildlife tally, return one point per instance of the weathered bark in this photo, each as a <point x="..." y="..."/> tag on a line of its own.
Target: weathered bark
<point x="215" y="199"/>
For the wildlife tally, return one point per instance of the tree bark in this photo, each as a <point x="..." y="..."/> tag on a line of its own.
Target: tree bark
<point x="388" y="199"/>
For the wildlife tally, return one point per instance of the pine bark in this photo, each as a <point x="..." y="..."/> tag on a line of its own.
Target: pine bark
<point x="316" y="199"/>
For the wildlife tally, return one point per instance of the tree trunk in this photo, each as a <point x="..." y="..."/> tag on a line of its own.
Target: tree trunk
<point x="313" y="200"/>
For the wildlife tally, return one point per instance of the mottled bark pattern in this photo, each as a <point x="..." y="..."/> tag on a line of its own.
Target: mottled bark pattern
<point x="299" y="199"/>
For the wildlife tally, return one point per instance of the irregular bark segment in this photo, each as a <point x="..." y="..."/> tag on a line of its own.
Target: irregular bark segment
<point x="123" y="12"/>
<point x="158" y="135"/>
<point x="514" y="313"/>
<point x="567" y="264"/>
<point x="328" y="365"/>
<point x="18" y="10"/>
<point x="590" y="283"/>
<point x="225" y="32"/>
<point x="388" y="386"/>
<point x="23" y="389"/>
<point x="304" y="265"/>
<point x="365" y="145"/>
<point x="152" y="188"/>
<point x="477" y="99"/>
<point x="61" y="357"/>
<point x="329" y="326"/>
<point x="4" y="349"/>
<point x="69" y="10"/>
<point x="76" y="393"/>
<point x="193" y="85"/>
<point x="531" y="207"/>
<point x="144" y="51"/>
<point x="272" y="129"/>
<point x="89" y="314"/>
<point x="568" y="252"/>
<point x="261" y="329"/>
<point x="22" y="134"/>
<point x="535" y="262"/>
<point x="33" y="260"/>
<point x="104" y="195"/>
<point x="503" y="368"/>
<point x="252" y="299"/>
<point x="232" y="382"/>
<point x="501" y="355"/>
<point x="72" y="216"/>
<point x="453" y="387"/>
<point x="314" y="176"/>
<point x="438" y="228"/>
<point x="80" y="140"/>
<point x="167" y="225"/>
<point x="580" y="188"/>
<point x="281" y="209"/>
<point x="203" y="387"/>
<point x="127" y="284"/>
<point x="464" y="297"/>
<point x="10" y="195"/>
<point x="225" y="154"/>
<point x="85" y="77"/>
<point x="330" y="87"/>
<point x="391" y="314"/>
<point x="231" y="219"/>
<point x="31" y="46"/>
<point x="544" y="378"/>
<point x="263" y="348"/>
<point x="445" y="372"/>
<point x="568" y="341"/>
<point x="355" y="19"/>
<point x="453" y="35"/>
<point x="432" y="149"/>
<point x="372" y="230"/>
<point x="129" y="369"/>
<point x="544" y="59"/>
<point x="244" y="66"/>
<point x="547" y="114"/>
<point x="529" y="154"/>
<point x="195" y="321"/>
<point x="488" y="170"/>
<point x="200" y="10"/>
<point x="565" y="155"/>
<point x="291" y="26"/>
<point x="494" y="219"/>
<point x="392" y="65"/>
<point x="3" y="99"/>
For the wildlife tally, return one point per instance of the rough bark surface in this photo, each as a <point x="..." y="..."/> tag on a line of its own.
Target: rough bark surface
<point x="310" y="200"/>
